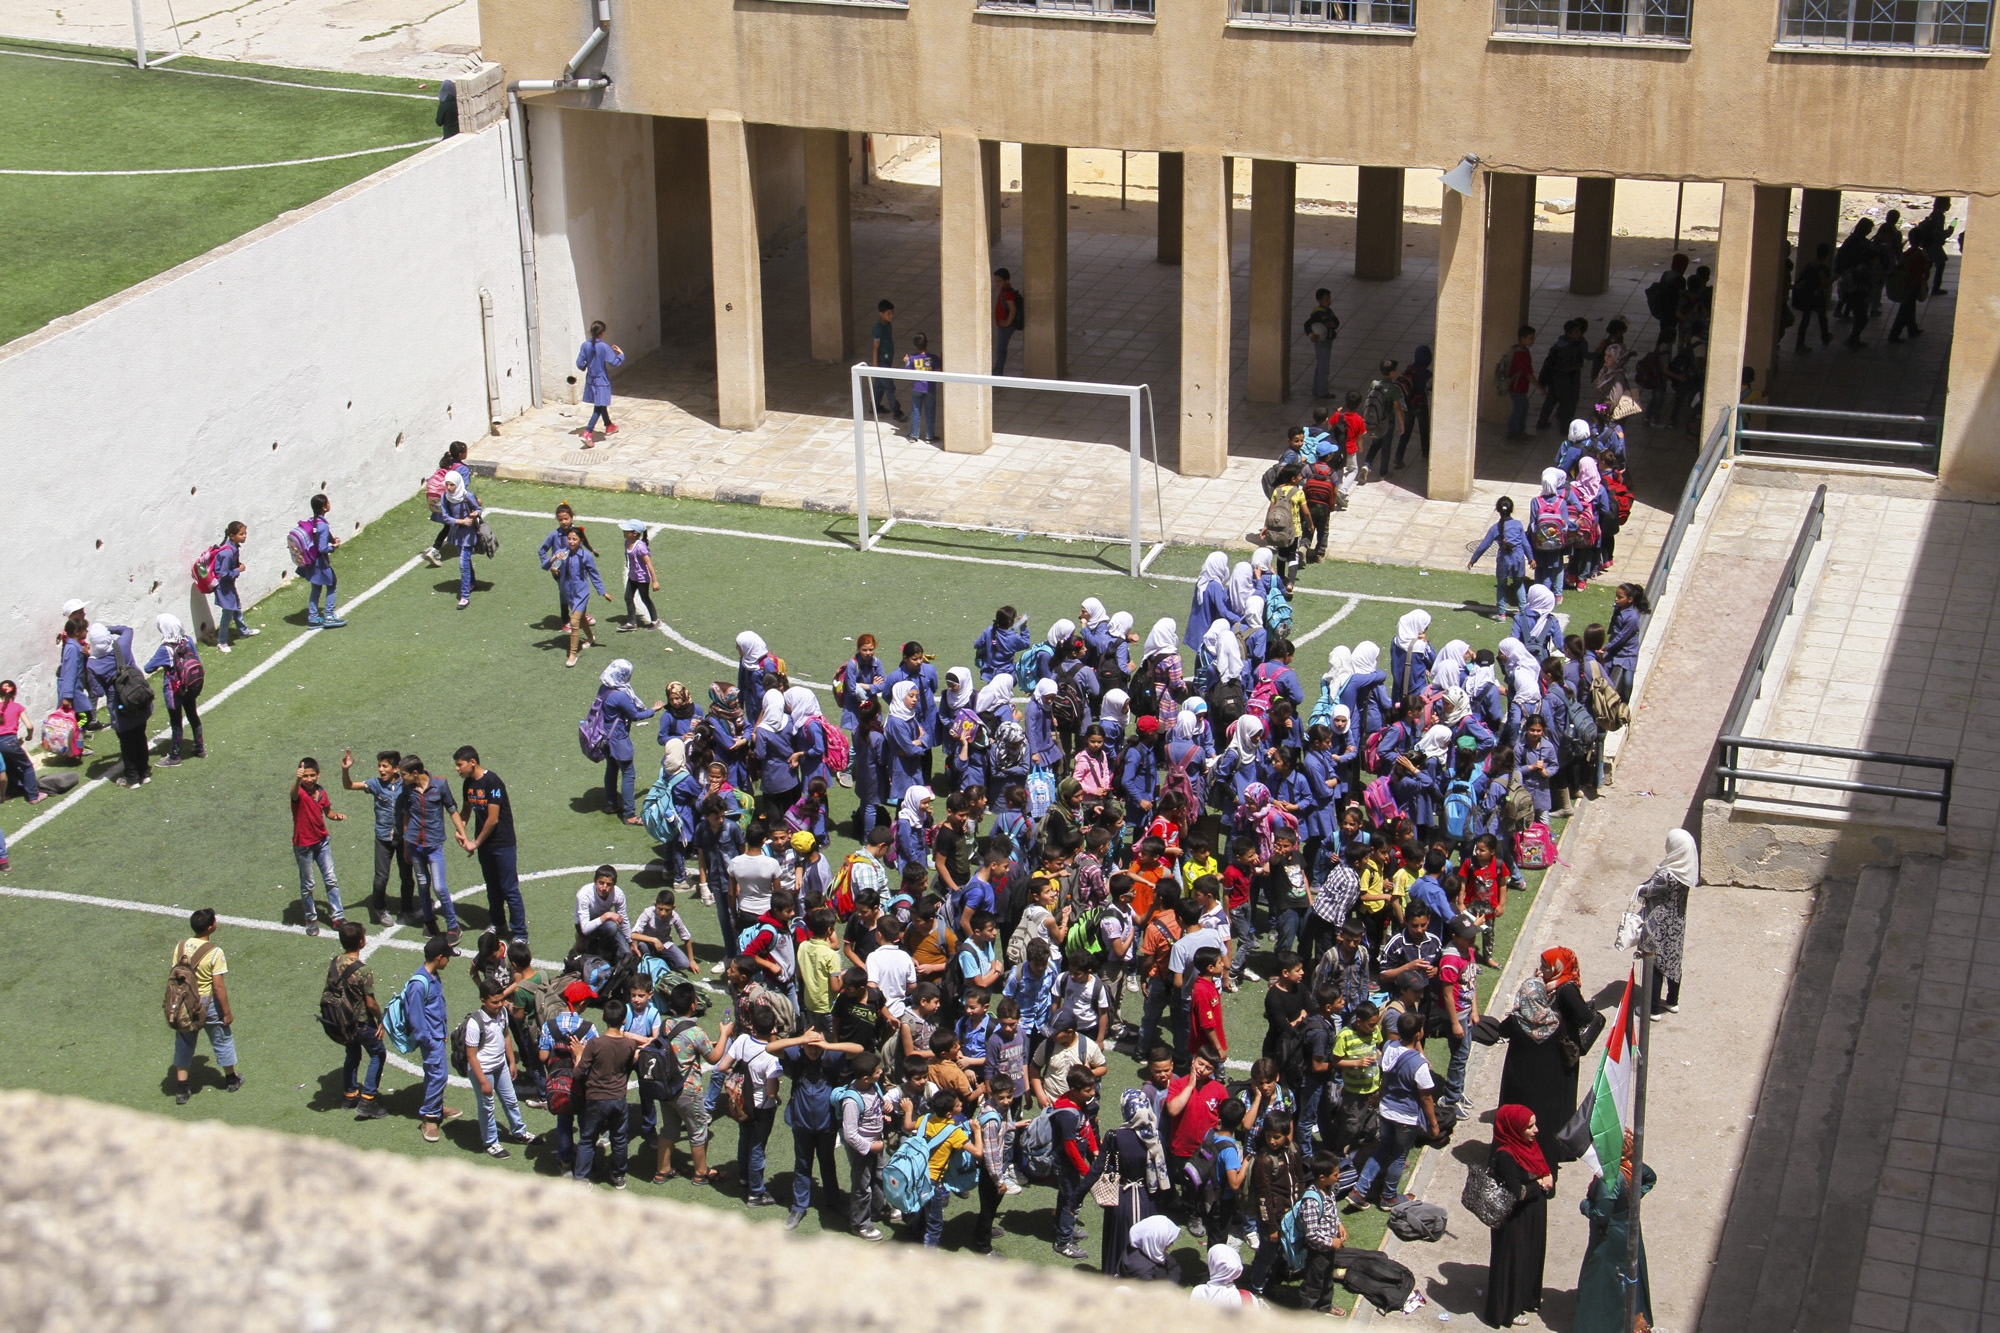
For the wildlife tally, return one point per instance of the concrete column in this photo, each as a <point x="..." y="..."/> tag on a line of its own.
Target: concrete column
<point x="1819" y="222"/>
<point x="739" y="275"/>
<point x="1729" y="319"/>
<point x="829" y="251"/>
<point x="1170" y="174"/>
<point x="1045" y="257"/>
<point x="1770" y="221"/>
<point x="1378" y="223"/>
<point x="1590" y="242"/>
<point x="989" y="162"/>
<point x="1458" y="377"/>
<point x="1510" y="256"/>
<point x="1205" y="317"/>
<point x="965" y="271"/>
<point x="1969" y="462"/>
<point x="1273" y="219"/>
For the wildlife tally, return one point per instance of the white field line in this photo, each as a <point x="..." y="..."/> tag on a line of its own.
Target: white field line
<point x="216" y="74"/>
<point x="1327" y="624"/>
<point x="241" y="166"/>
<point x="221" y="698"/>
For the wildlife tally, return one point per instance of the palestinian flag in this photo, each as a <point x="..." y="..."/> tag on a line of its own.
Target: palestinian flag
<point x="1595" y="1135"/>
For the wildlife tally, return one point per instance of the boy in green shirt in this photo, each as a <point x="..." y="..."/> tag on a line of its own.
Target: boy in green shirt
<point x="819" y="963"/>
<point x="1357" y="1053"/>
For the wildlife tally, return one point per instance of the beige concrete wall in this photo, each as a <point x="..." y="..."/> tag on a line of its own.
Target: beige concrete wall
<point x="1725" y="107"/>
<point x="680" y="172"/>
<point x="778" y="175"/>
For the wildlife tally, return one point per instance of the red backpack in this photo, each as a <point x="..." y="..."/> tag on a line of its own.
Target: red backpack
<point x="1621" y="495"/>
<point x="1321" y="485"/>
<point x="1263" y="690"/>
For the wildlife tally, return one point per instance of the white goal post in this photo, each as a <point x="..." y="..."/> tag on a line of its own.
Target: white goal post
<point x="861" y="373"/>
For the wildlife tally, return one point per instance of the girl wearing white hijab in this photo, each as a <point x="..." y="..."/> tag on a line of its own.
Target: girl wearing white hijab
<point x="1537" y="626"/>
<point x="904" y="742"/>
<point x="809" y="741"/>
<point x="1044" y="749"/>
<point x="996" y="699"/>
<point x="958" y="693"/>
<point x="1211" y="597"/>
<point x="1221" y="1289"/>
<point x="1410" y="654"/>
<point x="1151" y="1238"/>
<point x="180" y="664"/>
<point x="1163" y="638"/>
<point x="913" y="826"/>
<point x="459" y="508"/>
<point x="1224" y="652"/>
<point x="1061" y="633"/>
<point x="1113" y="711"/>
<point x="1240" y="763"/>
<point x="1549" y="564"/>
<point x="1663" y="901"/>
<point x="1448" y="672"/>
<point x="753" y="660"/>
<point x="1420" y="774"/>
<point x="1256" y="639"/>
<point x="775" y="753"/>
<point x="1119" y="639"/>
<point x="621" y="708"/>
<point x="1242" y="586"/>
<point x="1367" y="692"/>
<point x="1339" y="666"/>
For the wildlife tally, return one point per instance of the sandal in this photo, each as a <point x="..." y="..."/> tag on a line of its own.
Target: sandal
<point x="712" y="1176"/>
<point x="662" y="1177"/>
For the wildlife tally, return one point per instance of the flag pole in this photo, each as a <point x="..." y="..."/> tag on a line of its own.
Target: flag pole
<point x="1641" y="1058"/>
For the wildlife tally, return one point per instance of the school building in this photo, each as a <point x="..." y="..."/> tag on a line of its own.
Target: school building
<point x="688" y="143"/>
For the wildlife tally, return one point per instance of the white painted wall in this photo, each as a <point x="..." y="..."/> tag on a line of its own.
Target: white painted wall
<point x="347" y="334"/>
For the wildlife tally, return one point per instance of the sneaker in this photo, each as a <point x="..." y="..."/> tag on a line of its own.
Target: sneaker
<point x="1071" y="1251"/>
<point x="181" y="1095"/>
<point x="535" y="1104"/>
<point x="312" y="928"/>
<point x="382" y="918"/>
<point x="430" y="1131"/>
<point x="618" y="1182"/>
<point x="370" y="1109"/>
<point x="221" y="647"/>
<point x="449" y="1114"/>
<point x="5" y="865"/>
<point x="716" y="971"/>
<point x="248" y="633"/>
<point x="122" y="781"/>
<point x="586" y="439"/>
<point x="464" y="602"/>
<point x="626" y="627"/>
<point x="1011" y="1187"/>
<point x="610" y="429"/>
<point x="869" y="1231"/>
<point x="333" y="622"/>
<point x="232" y="1083"/>
<point x="1251" y="975"/>
<point x="171" y="760"/>
<point x="431" y="557"/>
<point x="494" y="1150"/>
<point x="451" y="937"/>
<point x="200" y="748"/>
<point x="1198" y="1229"/>
<point x="38" y="798"/>
<point x="314" y="622"/>
<point x="793" y="1218"/>
<point x="519" y="1138"/>
<point x="348" y="1100"/>
<point x="761" y="1199"/>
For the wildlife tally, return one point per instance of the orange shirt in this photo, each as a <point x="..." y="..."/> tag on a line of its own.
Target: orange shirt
<point x="1142" y="887"/>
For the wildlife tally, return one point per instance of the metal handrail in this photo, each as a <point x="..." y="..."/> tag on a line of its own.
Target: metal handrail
<point x="1928" y="446"/>
<point x="1728" y="768"/>
<point x="1784" y="409"/>
<point x="1713" y="451"/>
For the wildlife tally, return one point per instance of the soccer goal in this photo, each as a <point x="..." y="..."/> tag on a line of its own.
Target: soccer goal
<point x="1139" y="403"/>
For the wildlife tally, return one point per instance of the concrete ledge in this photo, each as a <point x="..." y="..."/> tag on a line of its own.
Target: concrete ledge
<point x="1780" y="845"/>
<point x="1803" y="474"/>
<point x="114" y="1220"/>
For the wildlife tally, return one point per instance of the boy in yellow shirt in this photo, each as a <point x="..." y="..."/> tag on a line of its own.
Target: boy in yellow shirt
<point x="819" y="963"/>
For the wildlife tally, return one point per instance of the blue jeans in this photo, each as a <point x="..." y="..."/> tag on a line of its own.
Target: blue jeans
<point x="1285" y="923"/>
<point x="1312" y="1092"/>
<point x="319" y="591"/>
<point x="885" y="397"/>
<point x="1517" y="415"/>
<point x="1322" y="366"/>
<point x="934" y="1217"/>
<point x="1461" y="1051"/>
<point x="428" y="866"/>
<point x="1157" y="991"/>
<point x="566" y="1139"/>
<point x="20" y="768"/>
<point x="1241" y="936"/>
<point x="1510" y="593"/>
<point x="437" y="1068"/>
<point x="465" y="571"/>
<point x="923" y="416"/>
<point x="1549" y="571"/>
<point x="503" y="1092"/>
<point x="226" y="620"/>
<point x="599" y="410"/>
<point x="503" y="892"/>
<point x="1001" y="337"/>
<point x="1069" y="1193"/>
<point x="1386" y="1162"/>
<point x="221" y="1042"/>
<point x="321" y="853"/>
<point x="367" y="1041"/>
<point x="806" y="1144"/>
<point x="750" y="1147"/>
<point x="601" y="1117"/>
<point x="617" y="780"/>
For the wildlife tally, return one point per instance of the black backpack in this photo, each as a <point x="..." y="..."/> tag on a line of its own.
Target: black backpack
<point x="661" y="1076"/>
<point x="336" y="1011"/>
<point x="1069" y="706"/>
<point x="1142" y="691"/>
<point x="130" y="690"/>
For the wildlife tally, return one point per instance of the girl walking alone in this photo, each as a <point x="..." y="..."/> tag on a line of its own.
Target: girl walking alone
<point x="596" y="359"/>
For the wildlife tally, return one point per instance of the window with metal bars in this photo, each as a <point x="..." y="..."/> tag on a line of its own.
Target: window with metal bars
<point x="1961" y="25"/>
<point x="1109" y="8"/>
<point x="1379" y="14"/>
<point x="1599" y="20"/>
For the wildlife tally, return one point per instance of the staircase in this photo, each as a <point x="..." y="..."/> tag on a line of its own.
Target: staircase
<point x="1793" y="1242"/>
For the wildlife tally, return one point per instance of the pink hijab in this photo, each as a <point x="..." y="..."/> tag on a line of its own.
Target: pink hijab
<point x="1588" y="482"/>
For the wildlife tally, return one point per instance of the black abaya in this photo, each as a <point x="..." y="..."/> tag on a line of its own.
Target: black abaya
<point x="1520" y="1244"/>
<point x="1134" y="1203"/>
<point x="1537" y="1074"/>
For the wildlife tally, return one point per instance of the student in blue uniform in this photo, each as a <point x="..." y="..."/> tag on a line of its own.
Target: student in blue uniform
<point x="175" y="644"/>
<point x="998" y="644"/>
<point x="228" y="603"/>
<point x="915" y="667"/>
<point x="1510" y="558"/>
<point x="755" y="666"/>
<point x="1411" y="655"/>
<point x="728" y="741"/>
<point x="680" y="719"/>
<point x="905" y="740"/>
<point x="1621" y="643"/>
<point x="1211" y="598"/>
<point x="554" y="548"/>
<point x="860" y="679"/>
<point x="1366" y="693"/>
<point x="577" y="575"/>
<point x="774" y="758"/>
<point x="461" y="511"/>
<point x="319" y="574"/>
<point x="621" y="709"/>
<point x="1537" y="626"/>
<point x="74" y="685"/>
<point x="597" y="359"/>
<point x="1044" y="747"/>
<point x="808" y="725"/>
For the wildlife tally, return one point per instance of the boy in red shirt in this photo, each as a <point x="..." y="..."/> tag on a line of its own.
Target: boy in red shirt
<point x="1191" y="1109"/>
<point x="1206" y="1037"/>
<point x="311" y="808"/>
<point x="1487" y="879"/>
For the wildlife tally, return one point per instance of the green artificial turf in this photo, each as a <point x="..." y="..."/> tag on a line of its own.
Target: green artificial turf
<point x="66" y="241"/>
<point x="415" y="674"/>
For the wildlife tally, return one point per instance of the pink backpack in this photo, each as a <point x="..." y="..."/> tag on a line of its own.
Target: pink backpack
<point x="1380" y="803"/>
<point x="61" y="735"/>
<point x="838" y="754"/>
<point x="1535" y="848"/>
<point x="1263" y="691"/>
<point x="434" y="486"/>
<point x="203" y="572"/>
<point x="301" y="540"/>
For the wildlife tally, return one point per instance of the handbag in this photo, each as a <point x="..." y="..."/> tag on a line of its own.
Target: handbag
<point x="1485" y="1197"/>
<point x="1631" y="925"/>
<point x="1104" y="1191"/>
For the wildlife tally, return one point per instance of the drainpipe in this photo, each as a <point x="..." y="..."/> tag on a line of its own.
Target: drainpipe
<point x="517" y="129"/>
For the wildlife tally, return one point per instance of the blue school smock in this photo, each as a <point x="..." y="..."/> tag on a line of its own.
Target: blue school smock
<point x="1345" y="757"/>
<point x="1397" y="738"/>
<point x="750" y="685"/>
<point x="1367" y="698"/>
<point x="1138" y="778"/>
<point x="228" y="566"/>
<point x="926" y="678"/>
<point x="596" y="359"/>
<point x="621" y="709"/>
<point x="99" y="671"/>
<point x="1621" y="639"/>
<point x="72" y="681"/>
<point x="771" y="755"/>
<point x="578" y="576"/>
<point x="1043" y="749"/>
<point x="1322" y="775"/>
<point x="1490" y="704"/>
<point x="671" y="727"/>
<point x="1209" y="606"/>
<point x="994" y="650"/>
<point x="1256" y="648"/>
<point x="163" y="657"/>
<point x="859" y="680"/>
<point x="460" y="535"/>
<point x="1482" y="736"/>
<point x="1190" y="754"/>
<point x="1230" y="776"/>
<point x="553" y="548"/>
<point x="321" y="570"/>
<point x="904" y="744"/>
<point x="723" y="734"/>
<point x="1096" y="641"/>
<point x="1512" y="559"/>
<point x="1421" y="794"/>
<point x="865" y="767"/>
<point x="686" y="793"/>
<point x="1298" y="789"/>
<point x="912" y="847"/>
<point x="1537" y="644"/>
<point x="1536" y="783"/>
<point x="1420" y="669"/>
<point x="809" y="740"/>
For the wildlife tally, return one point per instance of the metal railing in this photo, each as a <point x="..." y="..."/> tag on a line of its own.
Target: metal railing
<point x="1373" y="15"/>
<point x="1137" y="9"/>
<point x="1893" y="25"/>
<point x="1713" y="450"/>
<point x="1902" y="438"/>
<point x="1595" y="20"/>
<point x="1729" y="770"/>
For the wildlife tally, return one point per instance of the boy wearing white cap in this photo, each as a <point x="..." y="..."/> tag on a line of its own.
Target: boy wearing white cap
<point x="641" y="580"/>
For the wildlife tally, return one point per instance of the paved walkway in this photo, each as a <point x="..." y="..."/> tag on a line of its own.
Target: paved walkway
<point x="1734" y="981"/>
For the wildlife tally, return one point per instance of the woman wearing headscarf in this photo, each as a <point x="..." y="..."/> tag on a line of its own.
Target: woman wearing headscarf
<point x="1093" y="626"/>
<point x="678" y="785"/>
<point x="1455" y="711"/>
<point x="995" y="701"/>
<point x="1587" y="497"/>
<point x="1663" y="902"/>
<point x="961" y="734"/>
<point x="1222" y="662"/>
<point x="460" y="510"/>
<point x="110" y="647"/>
<point x="904" y="741"/>
<point x="753" y="663"/>
<point x="679" y="720"/>
<point x="1549" y="519"/>
<point x="1483" y="688"/>
<point x="1549" y="1032"/>
<point x="1419" y="776"/>
<point x="913" y="827"/>
<point x="1410" y="655"/>
<point x="1256" y="639"/>
<point x="1186" y="753"/>
<point x="1133" y="1154"/>
<point x="1146" y="1257"/>
<point x="182" y="677"/>
<point x="1600" y="1287"/>
<point x="1537" y="627"/>
<point x="1240" y="765"/>
<point x="1113" y="714"/>
<point x="774" y="757"/>
<point x="1211" y="597"/>
<point x="621" y="708"/>
<point x="1044" y="749"/>
<point x="1366" y="693"/>
<point x="1521" y="1243"/>
<point x="1159" y="685"/>
<point x="1448" y="672"/>
<point x="1115" y="667"/>
<point x="956" y="694"/>
<point x="724" y="737"/>
<point x="1221" y="1289"/>
<point x="1511" y="556"/>
<point x="808" y="727"/>
<point x="1523" y="676"/>
<point x="1242" y="586"/>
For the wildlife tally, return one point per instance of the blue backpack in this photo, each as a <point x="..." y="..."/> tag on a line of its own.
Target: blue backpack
<point x="1322" y="712"/>
<point x="660" y="814"/>
<point x="1291" y="1234"/>
<point x="1277" y="611"/>
<point x="1459" y="808"/>
<point x="1041" y="792"/>
<point x="396" y="1025"/>
<point x="906" y="1179"/>
<point x="1031" y="664"/>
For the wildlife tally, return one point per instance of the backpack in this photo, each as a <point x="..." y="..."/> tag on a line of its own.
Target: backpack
<point x="130" y="690"/>
<point x="1371" y="751"/>
<point x="841" y="896"/>
<point x="838" y="752"/>
<point x="396" y="1025"/>
<point x="1142" y="691"/>
<point x="1263" y="690"/>
<point x="1535" y="848"/>
<point x="660" y="814"/>
<point x="61" y="734"/>
<point x="661" y="1075"/>
<point x="1607" y="710"/>
<point x="1069" y="706"/>
<point x="1321" y="486"/>
<point x="460" y="1053"/>
<point x="1325" y="321"/>
<point x="1548" y="524"/>
<point x="541" y="1000"/>
<point x="1041" y="787"/>
<point x="1585" y="533"/>
<point x="484" y="539"/>
<point x="1038" y="1146"/>
<point x="1380" y="803"/>
<point x="1291" y="1232"/>
<point x="1083" y="935"/>
<point x="1517" y="807"/>
<point x="1377" y="414"/>
<point x="184" y="672"/>
<point x="1277" y="611"/>
<point x="593" y="734"/>
<point x="559" y="1082"/>
<point x="1459" y="808"/>
<point x="1503" y="372"/>
<point x="1414" y="1219"/>
<point x="1660" y="303"/>
<point x="302" y="544"/>
<point x="183" y="1005"/>
<point x="205" y="578"/>
<point x="1651" y="372"/>
<point x="1579" y="728"/>
<point x="434" y="486"/>
<point x="1621" y="496"/>
<point x="336" y="1010"/>
<point x="1030" y="663"/>
<point x="1174" y="778"/>
<point x="906" y="1177"/>
<point x="1281" y="522"/>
